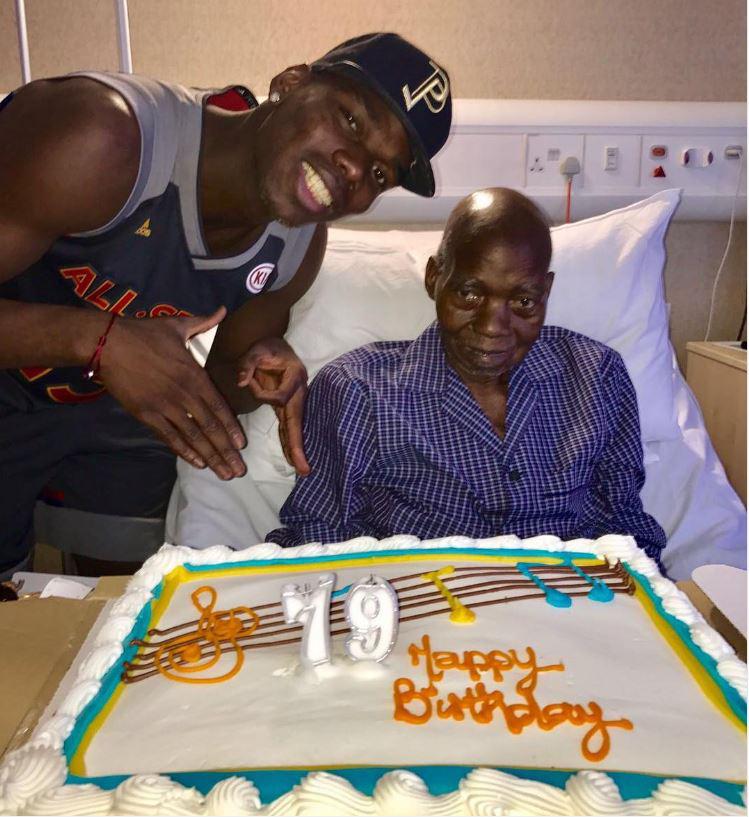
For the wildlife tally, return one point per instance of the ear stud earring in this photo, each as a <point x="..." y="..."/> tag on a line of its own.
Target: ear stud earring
<point x="275" y="97"/>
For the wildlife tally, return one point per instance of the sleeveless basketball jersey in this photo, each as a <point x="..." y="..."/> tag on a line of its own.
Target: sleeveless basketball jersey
<point x="151" y="259"/>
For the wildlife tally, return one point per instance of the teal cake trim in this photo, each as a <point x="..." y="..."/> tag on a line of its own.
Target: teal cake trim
<point x="273" y="783"/>
<point x="111" y="678"/>
<point x="525" y="554"/>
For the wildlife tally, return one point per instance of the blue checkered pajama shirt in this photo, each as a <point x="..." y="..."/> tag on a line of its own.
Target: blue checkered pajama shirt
<point x="397" y="444"/>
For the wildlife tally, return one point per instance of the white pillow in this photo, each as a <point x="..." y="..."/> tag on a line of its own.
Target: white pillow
<point x="370" y="288"/>
<point x="609" y="285"/>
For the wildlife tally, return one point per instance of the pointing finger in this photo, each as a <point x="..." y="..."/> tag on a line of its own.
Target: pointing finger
<point x="291" y="420"/>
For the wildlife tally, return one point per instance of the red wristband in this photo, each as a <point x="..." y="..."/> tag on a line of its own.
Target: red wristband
<point x="92" y="367"/>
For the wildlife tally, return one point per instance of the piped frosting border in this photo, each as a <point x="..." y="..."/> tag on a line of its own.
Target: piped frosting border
<point x="33" y="778"/>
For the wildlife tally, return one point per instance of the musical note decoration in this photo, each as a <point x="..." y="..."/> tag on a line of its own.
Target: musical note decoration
<point x="553" y="597"/>
<point x="459" y="613"/>
<point x="599" y="591"/>
<point x="188" y="651"/>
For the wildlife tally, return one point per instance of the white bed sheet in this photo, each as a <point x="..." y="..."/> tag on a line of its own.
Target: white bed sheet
<point x="687" y="491"/>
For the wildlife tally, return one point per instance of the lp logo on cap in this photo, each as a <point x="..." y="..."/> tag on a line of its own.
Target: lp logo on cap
<point x="257" y="278"/>
<point x="434" y="91"/>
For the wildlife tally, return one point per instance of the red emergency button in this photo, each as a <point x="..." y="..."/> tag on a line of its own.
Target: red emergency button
<point x="658" y="152"/>
<point x="658" y="173"/>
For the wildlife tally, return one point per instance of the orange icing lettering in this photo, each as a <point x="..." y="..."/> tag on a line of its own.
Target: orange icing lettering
<point x="416" y="706"/>
<point x="405" y="693"/>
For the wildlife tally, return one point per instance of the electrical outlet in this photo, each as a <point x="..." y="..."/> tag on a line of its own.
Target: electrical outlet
<point x="697" y="164"/>
<point x="545" y="153"/>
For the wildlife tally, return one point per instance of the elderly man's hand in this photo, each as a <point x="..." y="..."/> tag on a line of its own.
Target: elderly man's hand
<point x="146" y="366"/>
<point x="275" y="375"/>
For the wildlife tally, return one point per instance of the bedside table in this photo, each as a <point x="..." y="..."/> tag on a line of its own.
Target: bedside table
<point x="716" y="373"/>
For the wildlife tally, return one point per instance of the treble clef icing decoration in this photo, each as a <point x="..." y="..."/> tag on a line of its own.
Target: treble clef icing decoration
<point x="187" y="656"/>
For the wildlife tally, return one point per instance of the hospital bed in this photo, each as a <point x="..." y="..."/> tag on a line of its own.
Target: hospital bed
<point x="608" y="285"/>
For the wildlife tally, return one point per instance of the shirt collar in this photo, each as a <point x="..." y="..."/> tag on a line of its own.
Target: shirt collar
<point x="425" y="367"/>
<point x="542" y="362"/>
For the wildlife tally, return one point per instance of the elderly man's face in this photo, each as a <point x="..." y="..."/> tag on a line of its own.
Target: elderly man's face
<point x="491" y="302"/>
<point x="329" y="150"/>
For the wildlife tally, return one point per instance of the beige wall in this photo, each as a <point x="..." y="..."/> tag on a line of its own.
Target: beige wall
<point x="524" y="49"/>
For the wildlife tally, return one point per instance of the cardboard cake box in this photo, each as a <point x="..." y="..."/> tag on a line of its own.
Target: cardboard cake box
<point x="40" y="639"/>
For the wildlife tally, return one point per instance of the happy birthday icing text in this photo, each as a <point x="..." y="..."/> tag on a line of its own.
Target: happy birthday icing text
<point x="418" y="705"/>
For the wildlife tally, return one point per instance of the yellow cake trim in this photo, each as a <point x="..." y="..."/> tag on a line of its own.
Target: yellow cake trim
<point x="703" y="678"/>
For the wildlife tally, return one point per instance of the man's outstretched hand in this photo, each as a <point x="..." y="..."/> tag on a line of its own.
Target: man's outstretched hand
<point x="147" y="367"/>
<point x="275" y="375"/>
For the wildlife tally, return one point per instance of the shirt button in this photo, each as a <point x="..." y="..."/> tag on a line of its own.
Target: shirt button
<point x="515" y="475"/>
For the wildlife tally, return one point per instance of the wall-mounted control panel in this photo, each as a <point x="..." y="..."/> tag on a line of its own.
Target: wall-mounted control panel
<point x="626" y="152"/>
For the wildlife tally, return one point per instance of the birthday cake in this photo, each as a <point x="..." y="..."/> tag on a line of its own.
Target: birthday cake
<point x="396" y="677"/>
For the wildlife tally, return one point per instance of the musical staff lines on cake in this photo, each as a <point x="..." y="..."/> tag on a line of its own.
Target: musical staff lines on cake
<point x="187" y="647"/>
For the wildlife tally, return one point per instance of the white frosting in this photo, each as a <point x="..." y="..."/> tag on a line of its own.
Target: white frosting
<point x="53" y="732"/>
<point x="32" y="778"/>
<point x="596" y="793"/>
<point x="489" y="791"/>
<point x="322" y="792"/>
<point x="682" y="798"/>
<point x="84" y="799"/>
<point x="154" y="794"/>
<point x="115" y="630"/>
<point x="79" y="696"/>
<point x="482" y="792"/>
<point x="99" y="660"/>
<point x="233" y="796"/>
<point x="27" y="772"/>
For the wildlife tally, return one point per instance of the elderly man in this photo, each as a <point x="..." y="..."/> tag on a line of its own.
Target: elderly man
<point x="489" y="422"/>
<point x="125" y="199"/>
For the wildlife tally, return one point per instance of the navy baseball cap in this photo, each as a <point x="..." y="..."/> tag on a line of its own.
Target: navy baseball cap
<point x="414" y="87"/>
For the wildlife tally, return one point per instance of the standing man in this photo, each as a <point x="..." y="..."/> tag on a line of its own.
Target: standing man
<point x="137" y="214"/>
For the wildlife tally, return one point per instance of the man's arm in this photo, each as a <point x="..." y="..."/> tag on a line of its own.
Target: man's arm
<point x="615" y="505"/>
<point x="330" y="504"/>
<point x="70" y="157"/>
<point x="69" y="160"/>
<point x="251" y="363"/>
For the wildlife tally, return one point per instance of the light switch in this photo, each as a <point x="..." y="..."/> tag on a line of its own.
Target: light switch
<point x="611" y="158"/>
